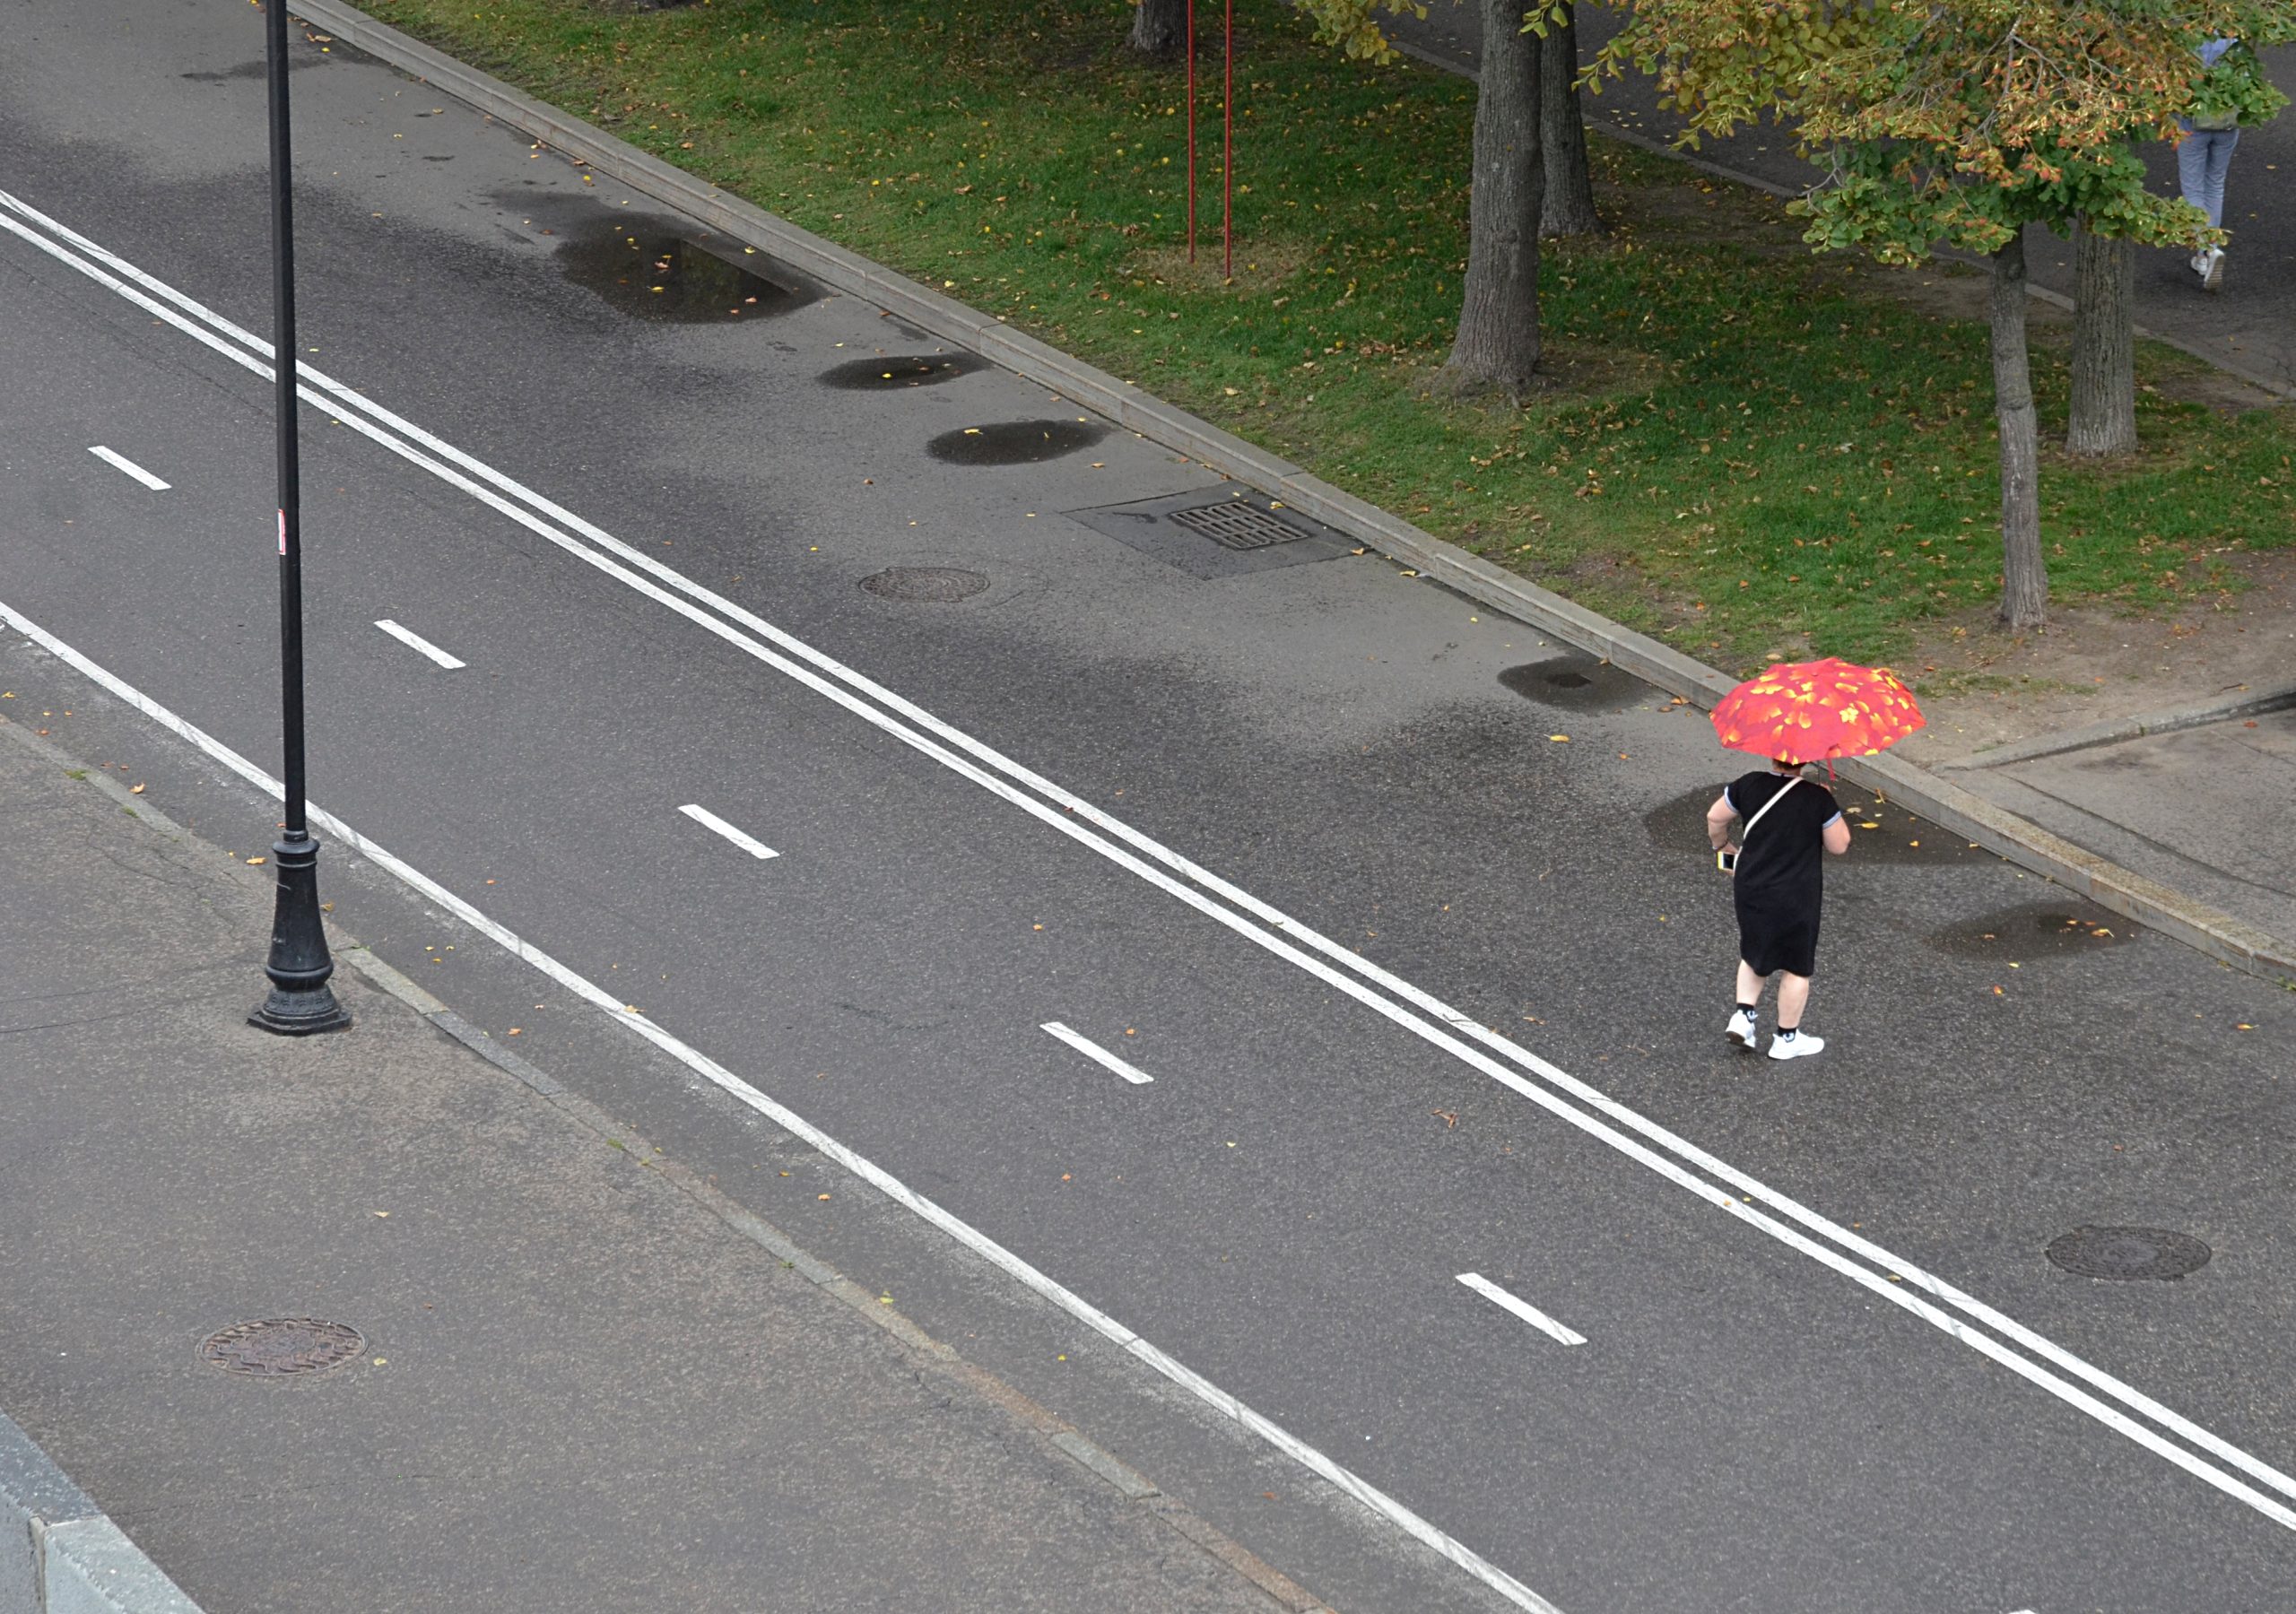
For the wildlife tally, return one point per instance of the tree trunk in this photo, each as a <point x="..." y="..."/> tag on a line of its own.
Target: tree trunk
<point x="2104" y="344"/>
<point x="2025" y="575"/>
<point x="1498" y="346"/>
<point x="1159" y="29"/>
<point x="1568" y="209"/>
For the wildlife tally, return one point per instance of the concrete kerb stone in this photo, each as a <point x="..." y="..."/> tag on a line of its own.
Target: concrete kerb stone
<point x="2197" y="714"/>
<point x="59" y="1554"/>
<point x="1960" y="811"/>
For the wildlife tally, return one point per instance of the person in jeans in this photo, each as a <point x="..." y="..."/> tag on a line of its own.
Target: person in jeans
<point x="2203" y="156"/>
<point x="1777" y="887"/>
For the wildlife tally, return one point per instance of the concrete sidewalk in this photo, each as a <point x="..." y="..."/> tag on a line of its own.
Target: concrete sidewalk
<point x="583" y="1381"/>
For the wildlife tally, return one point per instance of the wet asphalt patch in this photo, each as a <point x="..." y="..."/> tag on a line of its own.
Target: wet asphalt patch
<point x="1015" y="442"/>
<point x="1575" y="683"/>
<point x="897" y="372"/>
<point x="2036" y="931"/>
<point x="645" y="268"/>
<point x="1880" y="831"/>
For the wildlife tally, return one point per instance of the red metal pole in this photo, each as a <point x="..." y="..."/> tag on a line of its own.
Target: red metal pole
<point x="1227" y="153"/>
<point x="1191" y="130"/>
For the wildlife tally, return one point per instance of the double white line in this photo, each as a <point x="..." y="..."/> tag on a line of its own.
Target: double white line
<point x="2077" y="1383"/>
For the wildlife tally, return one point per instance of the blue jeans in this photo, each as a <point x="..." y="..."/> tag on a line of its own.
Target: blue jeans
<point x="2201" y="162"/>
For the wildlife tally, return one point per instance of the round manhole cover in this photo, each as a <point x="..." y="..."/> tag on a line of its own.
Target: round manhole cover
<point x="2128" y="1253"/>
<point x="281" y="1346"/>
<point x="936" y="584"/>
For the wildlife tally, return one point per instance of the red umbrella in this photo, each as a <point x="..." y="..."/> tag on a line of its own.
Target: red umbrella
<point x="1817" y="711"/>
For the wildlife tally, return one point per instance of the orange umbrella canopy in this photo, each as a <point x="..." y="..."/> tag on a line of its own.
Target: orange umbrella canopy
<point x="1817" y="711"/>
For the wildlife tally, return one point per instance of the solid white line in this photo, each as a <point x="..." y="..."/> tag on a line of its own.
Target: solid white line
<point x="415" y="641"/>
<point x="1077" y="811"/>
<point x="747" y="843"/>
<point x="1310" y="1458"/>
<point x="120" y="462"/>
<point x="1529" y="1313"/>
<point x="1097" y="1054"/>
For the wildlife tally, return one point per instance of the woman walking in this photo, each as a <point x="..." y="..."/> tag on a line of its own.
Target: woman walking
<point x="1795" y="712"/>
<point x="1778" y="889"/>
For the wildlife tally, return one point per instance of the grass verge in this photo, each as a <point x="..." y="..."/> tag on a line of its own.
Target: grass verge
<point x="1748" y="450"/>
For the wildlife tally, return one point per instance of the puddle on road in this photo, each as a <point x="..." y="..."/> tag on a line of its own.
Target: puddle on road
<point x="1880" y="831"/>
<point x="2036" y="931"/>
<point x="1575" y="684"/>
<point x="1015" y="442"/>
<point x="644" y="267"/>
<point x="894" y="372"/>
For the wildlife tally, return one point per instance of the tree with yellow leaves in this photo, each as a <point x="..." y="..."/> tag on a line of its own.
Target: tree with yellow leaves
<point x="1959" y="121"/>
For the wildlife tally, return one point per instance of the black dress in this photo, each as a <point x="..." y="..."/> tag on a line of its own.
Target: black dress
<point x="1780" y="883"/>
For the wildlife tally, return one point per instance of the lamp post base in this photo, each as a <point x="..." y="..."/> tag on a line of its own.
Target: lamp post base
<point x="300" y="1003"/>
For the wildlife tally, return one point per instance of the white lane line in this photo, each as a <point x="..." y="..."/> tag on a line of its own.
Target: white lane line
<point x="120" y="462"/>
<point x="1529" y="1313"/>
<point x="415" y="641"/>
<point x="1315" y="1462"/>
<point x="1097" y="1054"/>
<point x="346" y="404"/>
<point x="747" y="842"/>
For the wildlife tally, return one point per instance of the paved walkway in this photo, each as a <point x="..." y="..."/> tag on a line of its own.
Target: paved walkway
<point x="2248" y="327"/>
<point x="580" y="1389"/>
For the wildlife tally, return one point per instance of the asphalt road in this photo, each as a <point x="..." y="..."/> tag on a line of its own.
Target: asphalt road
<point x="2249" y="324"/>
<point x="1425" y="989"/>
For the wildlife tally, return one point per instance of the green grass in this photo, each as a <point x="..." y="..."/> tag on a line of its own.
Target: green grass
<point x="1748" y="449"/>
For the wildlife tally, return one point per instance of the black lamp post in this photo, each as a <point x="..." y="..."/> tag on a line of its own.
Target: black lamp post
<point x="300" y="1001"/>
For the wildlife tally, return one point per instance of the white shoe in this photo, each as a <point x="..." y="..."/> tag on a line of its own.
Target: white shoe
<point x="1799" y="1046"/>
<point x="1742" y="1031"/>
<point x="2198" y="261"/>
<point x="2212" y="277"/>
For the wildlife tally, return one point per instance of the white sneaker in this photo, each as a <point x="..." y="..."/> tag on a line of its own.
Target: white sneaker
<point x="1742" y="1031"/>
<point x="1799" y="1046"/>
<point x="2198" y="261"/>
<point x="2212" y="277"/>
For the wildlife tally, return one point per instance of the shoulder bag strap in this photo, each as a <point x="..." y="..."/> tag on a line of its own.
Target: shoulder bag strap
<point x="1791" y="781"/>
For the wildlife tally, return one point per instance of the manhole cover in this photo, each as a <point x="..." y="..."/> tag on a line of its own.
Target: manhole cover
<point x="2128" y="1253"/>
<point x="275" y="1348"/>
<point x="939" y="584"/>
<point x="1239" y="524"/>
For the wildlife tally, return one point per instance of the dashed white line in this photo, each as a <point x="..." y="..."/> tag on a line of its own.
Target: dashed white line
<point x="415" y="641"/>
<point x="120" y="462"/>
<point x="1097" y="1054"/>
<point x="1529" y="1313"/>
<point x="711" y="820"/>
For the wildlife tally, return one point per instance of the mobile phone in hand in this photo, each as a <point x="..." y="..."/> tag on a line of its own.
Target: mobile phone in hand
<point x="1728" y="862"/>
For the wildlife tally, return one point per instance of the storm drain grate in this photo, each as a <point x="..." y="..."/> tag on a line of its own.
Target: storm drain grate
<point x="2127" y="1253"/>
<point x="1238" y="523"/>
<point x="281" y="1346"/>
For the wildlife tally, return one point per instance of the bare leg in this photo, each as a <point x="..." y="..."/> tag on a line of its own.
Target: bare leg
<point x="1750" y="984"/>
<point x="1793" y="997"/>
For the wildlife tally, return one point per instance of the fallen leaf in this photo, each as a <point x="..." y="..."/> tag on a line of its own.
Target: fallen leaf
<point x="1560" y="738"/>
<point x="135" y="790"/>
<point x="257" y="860"/>
<point x="820" y="1196"/>
<point x="1450" y="1118"/>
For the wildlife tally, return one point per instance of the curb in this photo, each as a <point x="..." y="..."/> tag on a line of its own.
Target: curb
<point x="2248" y="703"/>
<point x="59" y="1554"/>
<point x="101" y="1554"/>
<point x="2219" y="936"/>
